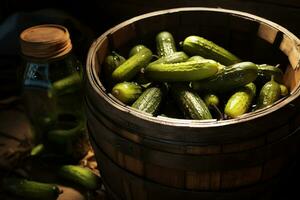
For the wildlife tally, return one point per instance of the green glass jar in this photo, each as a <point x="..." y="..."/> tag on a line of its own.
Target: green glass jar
<point x="52" y="85"/>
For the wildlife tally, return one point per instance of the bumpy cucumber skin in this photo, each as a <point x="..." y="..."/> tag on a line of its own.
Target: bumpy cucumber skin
<point x="149" y="101"/>
<point x="184" y="71"/>
<point x="240" y="102"/>
<point x="127" y="70"/>
<point x="165" y="44"/>
<point x="176" y="57"/>
<point x="111" y="62"/>
<point x="30" y="189"/>
<point x="126" y="92"/>
<point x="269" y="93"/>
<point x="190" y="103"/>
<point x="82" y="176"/>
<point x="229" y="78"/>
<point x="265" y="73"/>
<point x="136" y="49"/>
<point x="195" y="45"/>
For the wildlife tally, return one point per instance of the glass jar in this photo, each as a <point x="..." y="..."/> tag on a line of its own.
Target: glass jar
<point x="52" y="85"/>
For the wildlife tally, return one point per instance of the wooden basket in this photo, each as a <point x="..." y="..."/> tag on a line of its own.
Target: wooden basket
<point x="145" y="157"/>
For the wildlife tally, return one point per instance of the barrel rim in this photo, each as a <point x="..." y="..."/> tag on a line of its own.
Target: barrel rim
<point x="95" y="83"/>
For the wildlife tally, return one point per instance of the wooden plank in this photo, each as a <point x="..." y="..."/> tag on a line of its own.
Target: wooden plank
<point x="240" y="177"/>
<point x="166" y="176"/>
<point x="203" y="181"/>
<point x="249" y="144"/>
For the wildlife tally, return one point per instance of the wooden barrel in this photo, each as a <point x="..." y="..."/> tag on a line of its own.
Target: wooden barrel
<point x="145" y="157"/>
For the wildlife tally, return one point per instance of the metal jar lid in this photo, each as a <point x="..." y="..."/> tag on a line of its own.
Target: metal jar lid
<point x="47" y="41"/>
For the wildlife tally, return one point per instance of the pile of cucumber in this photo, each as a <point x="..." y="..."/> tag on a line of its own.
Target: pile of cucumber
<point x="203" y="80"/>
<point x="34" y="190"/>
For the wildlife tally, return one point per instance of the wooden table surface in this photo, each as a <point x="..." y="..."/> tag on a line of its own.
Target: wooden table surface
<point x="15" y="142"/>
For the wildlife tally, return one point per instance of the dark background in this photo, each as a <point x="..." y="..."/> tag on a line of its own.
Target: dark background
<point x="101" y="14"/>
<point x="95" y="17"/>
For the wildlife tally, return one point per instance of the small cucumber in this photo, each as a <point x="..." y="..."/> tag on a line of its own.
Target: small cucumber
<point x="30" y="189"/>
<point x="184" y="71"/>
<point x="37" y="150"/>
<point x="190" y="103"/>
<point x="136" y="49"/>
<point x="127" y="92"/>
<point x="111" y="63"/>
<point x="79" y="175"/>
<point x="240" y="102"/>
<point x="195" y="58"/>
<point x="229" y="78"/>
<point x="127" y="70"/>
<point x="149" y="101"/>
<point x="165" y="44"/>
<point x="269" y="93"/>
<point x="265" y="73"/>
<point x="284" y="90"/>
<point x="195" y="45"/>
<point x="211" y="100"/>
<point x="176" y="57"/>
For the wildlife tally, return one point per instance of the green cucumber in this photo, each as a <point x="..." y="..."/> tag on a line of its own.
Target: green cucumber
<point x="111" y="63"/>
<point x="190" y="103"/>
<point x="240" y="102"/>
<point x="176" y="57"/>
<point x="195" y="45"/>
<point x="284" y="91"/>
<point x="229" y="78"/>
<point x="149" y="101"/>
<point x="265" y="73"/>
<point x="37" y="150"/>
<point x="127" y="70"/>
<point x="126" y="92"/>
<point x="136" y="49"/>
<point x="165" y="44"/>
<point x="211" y="100"/>
<point x="269" y="93"/>
<point x="79" y="175"/>
<point x="193" y="58"/>
<point x="184" y="71"/>
<point x="30" y="189"/>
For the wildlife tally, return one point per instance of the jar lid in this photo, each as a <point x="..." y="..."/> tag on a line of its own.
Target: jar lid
<point x="45" y="41"/>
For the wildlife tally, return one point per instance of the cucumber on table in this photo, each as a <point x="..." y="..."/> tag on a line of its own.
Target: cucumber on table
<point x="240" y="102"/>
<point x="79" y="175"/>
<point x="195" y="45"/>
<point x="31" y="190"/>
